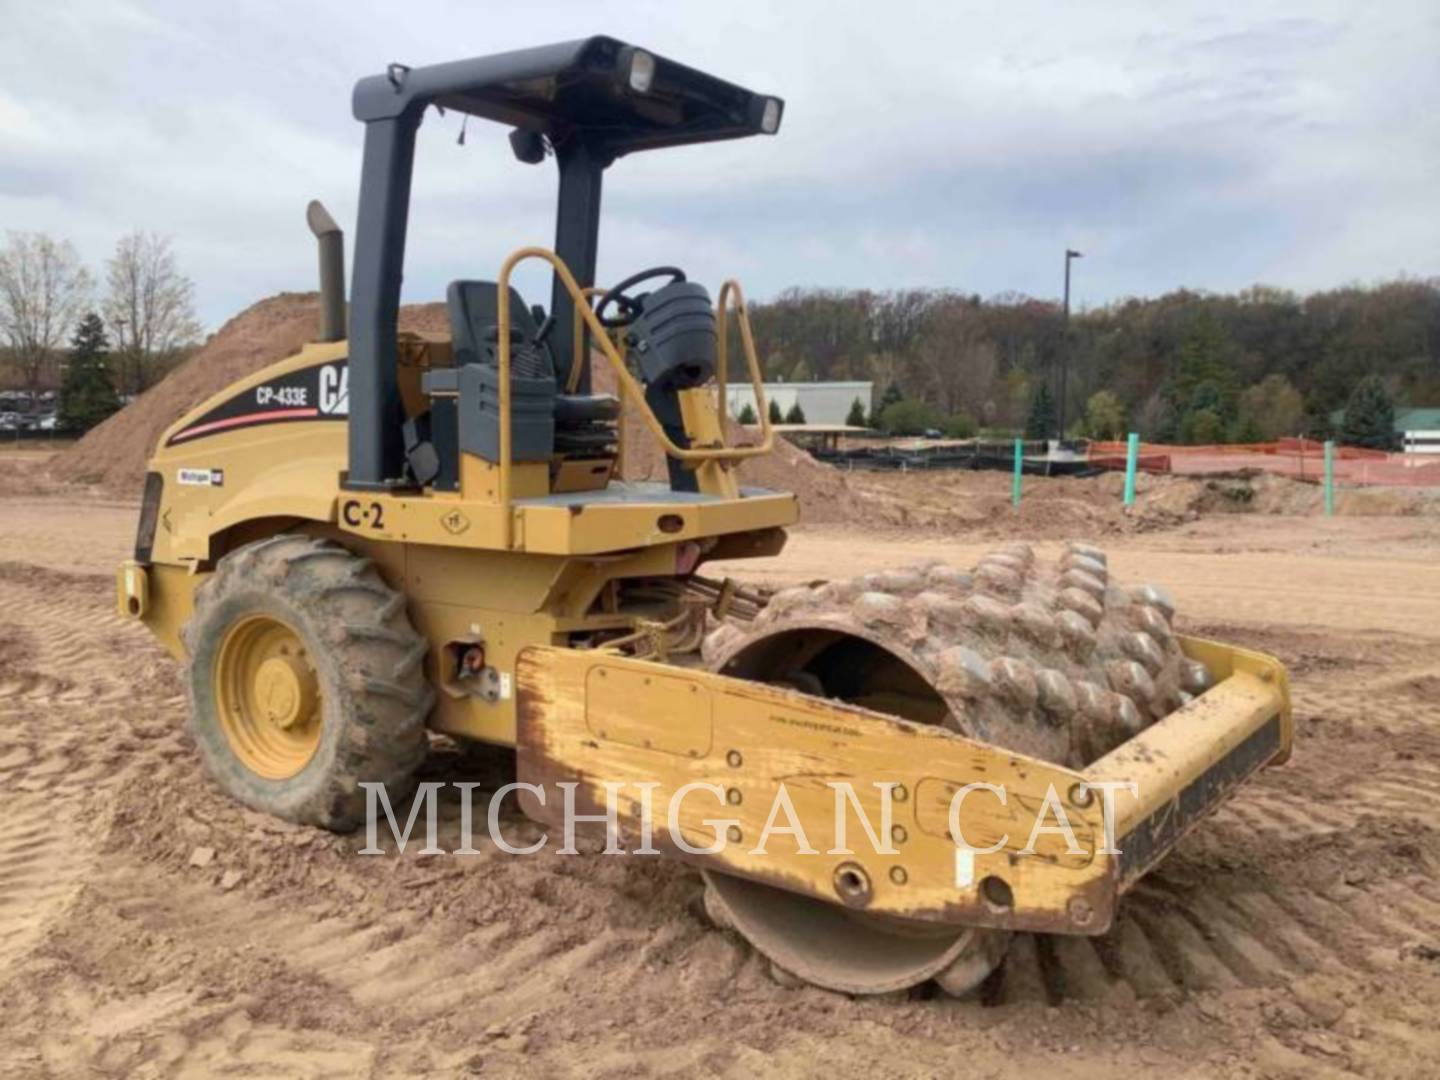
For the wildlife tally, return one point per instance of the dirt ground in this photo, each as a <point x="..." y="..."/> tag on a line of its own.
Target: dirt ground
<point x="149" y="927"/>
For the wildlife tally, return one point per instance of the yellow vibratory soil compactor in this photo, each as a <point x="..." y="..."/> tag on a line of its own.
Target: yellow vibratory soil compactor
<point x="395" y="533"/>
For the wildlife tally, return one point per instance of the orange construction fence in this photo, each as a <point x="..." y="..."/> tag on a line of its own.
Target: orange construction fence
<point x="1299" y="459"/>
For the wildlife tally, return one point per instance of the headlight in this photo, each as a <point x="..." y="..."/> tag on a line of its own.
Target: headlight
<point x="770" y="118"/>
<point x="642" y="71"/>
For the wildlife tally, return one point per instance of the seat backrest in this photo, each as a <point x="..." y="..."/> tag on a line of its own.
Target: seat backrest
<point x="543" y="421"/>
<point x="475" y="311"/>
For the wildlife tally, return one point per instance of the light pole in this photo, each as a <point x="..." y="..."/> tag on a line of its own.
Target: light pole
<point x="1065" y="344"/>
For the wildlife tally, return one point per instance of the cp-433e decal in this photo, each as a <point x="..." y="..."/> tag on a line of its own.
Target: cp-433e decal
<point x="321" y="392"/>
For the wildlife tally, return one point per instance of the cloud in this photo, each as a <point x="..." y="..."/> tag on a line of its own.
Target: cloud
<point x="962" y="145"/>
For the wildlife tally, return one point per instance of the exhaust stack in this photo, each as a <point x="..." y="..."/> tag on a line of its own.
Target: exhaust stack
<point x="332" y="271"/>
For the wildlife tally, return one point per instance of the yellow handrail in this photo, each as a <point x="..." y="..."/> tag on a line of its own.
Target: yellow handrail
<point x="722" y="347"/>
<point x="628" y="386"/>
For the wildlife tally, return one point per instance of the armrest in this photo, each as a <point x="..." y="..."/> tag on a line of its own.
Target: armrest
<point x="441" y="381"/>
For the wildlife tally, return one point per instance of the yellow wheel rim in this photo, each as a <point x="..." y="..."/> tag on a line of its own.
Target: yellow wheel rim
<point x="268" y="697"/>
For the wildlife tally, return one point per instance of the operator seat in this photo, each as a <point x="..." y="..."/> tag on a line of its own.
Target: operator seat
<point x="465" y="400"/>
<point x="474" y="323"/>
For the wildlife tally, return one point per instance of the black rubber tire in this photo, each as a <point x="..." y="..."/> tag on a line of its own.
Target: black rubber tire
<point x="368" y="659"/>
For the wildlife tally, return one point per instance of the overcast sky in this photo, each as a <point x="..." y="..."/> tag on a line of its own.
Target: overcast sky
<point x="962" y="145"/>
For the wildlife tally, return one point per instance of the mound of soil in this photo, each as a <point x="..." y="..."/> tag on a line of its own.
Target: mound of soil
<point x="112" y="455"/>
<point x="1184" y="497"/>
<point x="1060" y="507"/>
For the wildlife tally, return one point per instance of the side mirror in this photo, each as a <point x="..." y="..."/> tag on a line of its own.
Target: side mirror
<point x="527" y="146"/>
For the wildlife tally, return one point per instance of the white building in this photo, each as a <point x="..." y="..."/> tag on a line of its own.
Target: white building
<point x="821" y="402"/>
<point x="1421" y="442"/>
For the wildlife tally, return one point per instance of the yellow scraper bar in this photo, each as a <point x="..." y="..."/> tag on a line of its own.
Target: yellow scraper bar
<point x="719" y="771"/>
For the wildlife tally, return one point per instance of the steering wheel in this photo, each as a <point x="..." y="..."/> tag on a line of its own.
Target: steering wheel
<point x="630" y="305"/>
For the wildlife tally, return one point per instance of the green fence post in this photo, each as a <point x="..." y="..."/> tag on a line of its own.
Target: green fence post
<point x="1019" y="461"/>
<point x="1329" y="478"/>
<point x="1132" y="456"/>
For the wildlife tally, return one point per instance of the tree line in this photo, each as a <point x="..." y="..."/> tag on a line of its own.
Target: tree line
<point x="1187" y="366"/>
<point x="108" y="342"/>
<point x="1190" y="367"/>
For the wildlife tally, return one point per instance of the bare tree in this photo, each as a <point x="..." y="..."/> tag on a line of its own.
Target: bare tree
<point x="149" y="308"/>
<point x="952" y="361"/>
<point x="43" y="291"/>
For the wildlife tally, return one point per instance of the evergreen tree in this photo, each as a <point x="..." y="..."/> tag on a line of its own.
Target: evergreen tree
<point x="891" y="396"/>
<point x="1204" y="420"/>
<point x="1202" y="427"/>
<point x="856" y="417"/>
<point x="747" y="415"/>
<point x="1369" y="416"/>
<point x="1247" y="430"/>
<point x="1317" y="418"/>
<point x="1040" y="424"/>
<point x="87" y="394"/>
<point x="1207" y="396"/>
<point x="1206" y="355"/>
<point x="774" y="413"/>
<point x="795" y="415"/>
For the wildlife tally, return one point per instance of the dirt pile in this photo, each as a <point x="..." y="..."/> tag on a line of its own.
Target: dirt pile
<point x="962" y="502"/>
<point x="112" y="456"/>
<point x="1166" y="498"/>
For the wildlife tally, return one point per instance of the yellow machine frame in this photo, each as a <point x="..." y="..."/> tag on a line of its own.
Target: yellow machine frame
<point x="504" y="566"/>
<point x="497" y="563"/>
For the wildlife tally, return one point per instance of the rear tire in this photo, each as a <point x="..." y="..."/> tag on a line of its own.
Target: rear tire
<point x="305" y="680"/>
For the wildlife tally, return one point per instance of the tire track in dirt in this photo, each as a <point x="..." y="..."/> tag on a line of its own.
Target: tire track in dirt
<point x="1248" y="953"/>
<point x="384" y="962"/>
<point x="73" y="637"/>
<point x="62" y="742"/>
<point x="1277" y="893"/>
<point x="43" y="860"/>
<point x="393" y="975"/>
